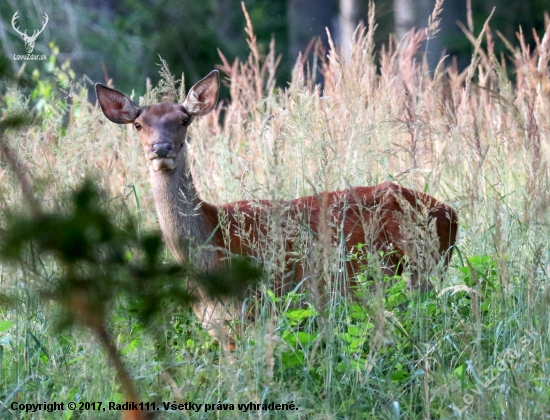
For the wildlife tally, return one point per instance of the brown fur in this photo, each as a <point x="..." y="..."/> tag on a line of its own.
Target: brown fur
<point x="368" y="215"/>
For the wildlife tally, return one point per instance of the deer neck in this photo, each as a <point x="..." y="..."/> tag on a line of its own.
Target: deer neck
<point x="184" y="218"/>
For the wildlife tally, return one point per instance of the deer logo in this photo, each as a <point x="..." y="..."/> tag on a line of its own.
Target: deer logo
<point x="29" y="40"/>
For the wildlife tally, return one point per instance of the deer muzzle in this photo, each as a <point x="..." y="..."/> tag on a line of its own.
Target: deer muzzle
<point x="163" y="156"/>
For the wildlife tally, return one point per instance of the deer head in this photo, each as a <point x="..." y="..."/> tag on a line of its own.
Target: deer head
<point x="161" y="127"/>
<point x="29" y="40"/>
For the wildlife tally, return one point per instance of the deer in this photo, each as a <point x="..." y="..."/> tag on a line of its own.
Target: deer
<point x="374" y="215"/>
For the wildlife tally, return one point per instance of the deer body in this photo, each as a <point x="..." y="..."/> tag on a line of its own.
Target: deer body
<point x="367" y="215"/>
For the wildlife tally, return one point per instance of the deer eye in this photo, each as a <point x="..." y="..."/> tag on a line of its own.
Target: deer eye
<point x="138" y="126"/>
<point x="185" y="122"/>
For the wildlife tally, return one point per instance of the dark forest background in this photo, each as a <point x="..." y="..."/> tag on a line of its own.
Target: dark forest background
<point x="122" y="40"/>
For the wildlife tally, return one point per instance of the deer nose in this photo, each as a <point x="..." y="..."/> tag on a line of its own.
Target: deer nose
<point x="162" y="149"/>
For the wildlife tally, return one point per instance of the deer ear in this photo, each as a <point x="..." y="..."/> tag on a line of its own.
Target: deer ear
<point x="203" y="96"/>
<point x="116" y="106"/>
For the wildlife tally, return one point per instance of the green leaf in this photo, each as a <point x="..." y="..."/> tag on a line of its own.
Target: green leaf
<point x="292" y="359"/>
<point x="272" y="296"/>
<point x="399" y="375"/>
<point x="356" y="343"/>
<point x="460" y="371"/>
<point x="300" y="314"/>
<point x="305" y="338"/>
<point x="353" y="330"/>
<point x="5" y="325"/>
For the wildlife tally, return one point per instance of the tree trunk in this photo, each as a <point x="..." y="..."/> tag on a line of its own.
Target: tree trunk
<point x="404" y="15"/>
<point x="349" y="16"/>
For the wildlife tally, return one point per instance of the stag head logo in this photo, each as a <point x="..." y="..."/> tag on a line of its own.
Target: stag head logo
<point x="29" y="40"/>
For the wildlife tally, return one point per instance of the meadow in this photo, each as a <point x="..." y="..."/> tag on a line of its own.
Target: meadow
<point x="475" y="347"/>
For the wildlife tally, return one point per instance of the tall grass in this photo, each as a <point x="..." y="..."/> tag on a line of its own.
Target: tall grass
<point x="476" y="347"/>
